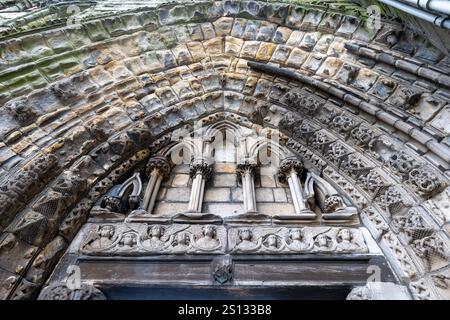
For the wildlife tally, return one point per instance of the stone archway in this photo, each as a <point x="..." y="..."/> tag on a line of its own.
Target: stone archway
<point x="102" y="98"/>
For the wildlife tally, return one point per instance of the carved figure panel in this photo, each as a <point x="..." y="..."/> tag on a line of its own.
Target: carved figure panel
<point x="142" y="239"/>
<point x="268" y="240"/>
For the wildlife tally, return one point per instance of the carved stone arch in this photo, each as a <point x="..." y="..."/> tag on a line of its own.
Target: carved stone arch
<point x="85" y="118"/>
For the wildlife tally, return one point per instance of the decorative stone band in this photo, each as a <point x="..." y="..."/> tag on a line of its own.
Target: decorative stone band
<point x="150" y="239"/>
<point x="60" y="291"/>
<point x="160" y="164"/>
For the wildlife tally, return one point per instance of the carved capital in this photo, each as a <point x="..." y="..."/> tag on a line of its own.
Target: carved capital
<point x="202" y="166"/>
<point x="287" y="165"/>
<point x="60" y="291"/>
<point x="160" y="164"/>
<point x="246" y="166"/>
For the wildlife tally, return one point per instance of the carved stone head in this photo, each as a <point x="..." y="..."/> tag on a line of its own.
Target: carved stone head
<point x="322" y="240"/>
<point x="272" y="241"/>
<point x="106" y="231"/>
<point x="209" y="231"/>
<point x="182" y="239"/>
<point x="245" y="234"/>
<point x="129" y="239"/>
<point x="344" y="235"/>
<point x="155" y="231"/>
<point x="296" y="234"/>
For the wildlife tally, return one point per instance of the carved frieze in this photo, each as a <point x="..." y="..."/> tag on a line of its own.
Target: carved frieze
<point x="141" y="239"/>
<point x="296" y="240"/>
<point x="149" y="239"/>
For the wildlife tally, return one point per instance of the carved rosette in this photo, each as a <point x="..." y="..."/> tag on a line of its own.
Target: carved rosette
<point x="201" y="165"/>
<point x="287" y="165"/>
<point x="60" y="291"/>
<point x="160" y="164"/>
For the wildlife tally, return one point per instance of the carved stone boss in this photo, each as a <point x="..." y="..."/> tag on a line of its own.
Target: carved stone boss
<point x="288" y="172"/>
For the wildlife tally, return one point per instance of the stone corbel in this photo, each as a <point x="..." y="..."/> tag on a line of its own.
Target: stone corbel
<point x="288" y="172"/>
<point x="200" y="172"/>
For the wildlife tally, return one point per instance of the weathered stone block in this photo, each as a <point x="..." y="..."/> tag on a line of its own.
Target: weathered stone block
<point x="180" y="180"/>
<point x="264" y="195"/>
<point x="217" y="195"/>
<point x="297" y="58"/>
<point x="178" y="194"/>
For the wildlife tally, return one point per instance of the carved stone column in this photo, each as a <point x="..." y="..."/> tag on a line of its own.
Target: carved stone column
<point x="246" y="170"/>
<point x="288" y="172"/>
<point x="158" y="168"/>
<point x="200" y="172"/>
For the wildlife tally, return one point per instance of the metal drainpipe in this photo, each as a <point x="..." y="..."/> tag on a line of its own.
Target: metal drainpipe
<point x="441" y="6"/>
<point x="441" y="21"/>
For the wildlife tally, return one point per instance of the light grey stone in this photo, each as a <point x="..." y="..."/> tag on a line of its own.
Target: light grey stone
<point x="217" y="195"/>
<point x="264" y="195"/>
<point x="180" y="180"/>
<point x="178" y="194"/>
<point x="225" y="180"/>
<point x="279" y="195"/>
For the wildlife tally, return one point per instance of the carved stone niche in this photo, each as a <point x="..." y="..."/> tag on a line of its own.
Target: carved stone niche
<point x="379" y="291"/>
<point x="60" y="291"/>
